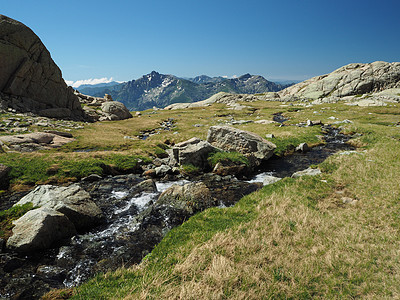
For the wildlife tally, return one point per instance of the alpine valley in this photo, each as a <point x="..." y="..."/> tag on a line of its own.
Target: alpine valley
<point x="161" y="90"/>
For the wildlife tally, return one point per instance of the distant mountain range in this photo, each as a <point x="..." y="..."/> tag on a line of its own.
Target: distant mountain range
<point x="160" y="90"/>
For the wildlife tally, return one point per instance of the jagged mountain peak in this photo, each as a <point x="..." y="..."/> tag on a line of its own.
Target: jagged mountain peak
<point x="155" y="89"/>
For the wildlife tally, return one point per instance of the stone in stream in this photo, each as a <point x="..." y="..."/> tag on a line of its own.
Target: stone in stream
<point x="39" y="229"/>
<point x="72" y="201"/>
<point x="189" y="198"/>
<point x="270" y="180"/>
<point x="225" y="168"/>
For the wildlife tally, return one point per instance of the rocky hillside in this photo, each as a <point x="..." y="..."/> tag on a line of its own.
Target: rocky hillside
<point x="30" y="81"/>
<point x="160" y="90"/>
<point x="349" y="80"/>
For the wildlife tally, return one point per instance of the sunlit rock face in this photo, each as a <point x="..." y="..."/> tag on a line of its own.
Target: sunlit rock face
<point x="30" y="76"/>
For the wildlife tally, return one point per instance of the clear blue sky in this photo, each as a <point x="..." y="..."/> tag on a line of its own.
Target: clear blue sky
<point x="287" y="39"/>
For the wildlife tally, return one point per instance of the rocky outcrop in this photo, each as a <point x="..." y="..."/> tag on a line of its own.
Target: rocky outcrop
<point x="72" y="201"/>
<point x="30" y="76"/>
<point x="247" y="143"/>
<point x="35" y="141"/>
<point x="191" y="152"/>
<point x="352" y="79"/>
<point x="114" y="110"/>
<point x="39" y="229"/>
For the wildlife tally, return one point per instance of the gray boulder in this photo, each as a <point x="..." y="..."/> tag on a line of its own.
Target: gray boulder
<point x="247" y="143"/>
<point x="308" y="172"/>
<point x="189" y="198"/>
<point x="72" y="201"/>
<point x="29" y="74"/>
<point x="191" y="152"/>
<point x="115" y="110"/>
<point x="39" y="229"/>
<point x="4" y="170"/>
<point x="270" y="180"/>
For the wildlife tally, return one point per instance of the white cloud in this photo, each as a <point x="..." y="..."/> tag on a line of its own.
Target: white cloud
<point x="78" y="83"/>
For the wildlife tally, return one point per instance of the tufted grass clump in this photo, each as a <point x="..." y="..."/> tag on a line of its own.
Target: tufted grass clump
<point x="190" y="170"/>
<point x="227" y="157"/>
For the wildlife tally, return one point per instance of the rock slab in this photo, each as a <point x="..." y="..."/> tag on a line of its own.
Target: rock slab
<point x="352" y="79"/>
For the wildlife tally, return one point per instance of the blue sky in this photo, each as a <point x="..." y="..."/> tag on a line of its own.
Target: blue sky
<point x="287" y="39"/>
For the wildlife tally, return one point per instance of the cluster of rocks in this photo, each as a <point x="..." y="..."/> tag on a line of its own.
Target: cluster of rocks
<point x="195" y="152"/>
<point x="103" y="109"/>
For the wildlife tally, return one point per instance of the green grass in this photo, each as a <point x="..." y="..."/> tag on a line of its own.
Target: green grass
<point x="227" y="157"/>
<point x="39" y="168"/>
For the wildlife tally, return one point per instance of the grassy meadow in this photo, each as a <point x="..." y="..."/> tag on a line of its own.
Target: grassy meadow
<point x="335" y="235"/>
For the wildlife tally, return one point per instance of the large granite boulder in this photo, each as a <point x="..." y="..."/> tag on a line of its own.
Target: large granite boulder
<point x="191" y="152"/>
<point x="30" y="75"/>
<point x="247" y="143"/>
<point x="114" y="110"/>
<point x="72" y="201"/>
<point x="39" y="229"/>
<point x="352" y="79"/>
